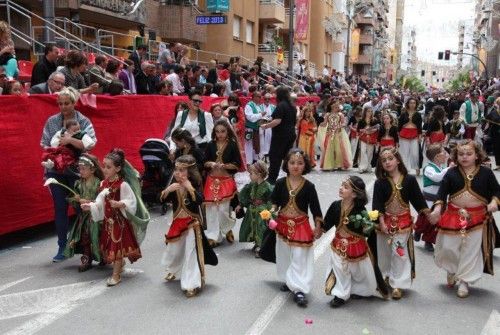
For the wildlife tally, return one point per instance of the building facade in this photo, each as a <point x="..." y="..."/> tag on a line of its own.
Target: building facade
<point x="486" y="36"/>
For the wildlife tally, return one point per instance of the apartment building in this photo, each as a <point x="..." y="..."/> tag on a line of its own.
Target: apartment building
<point x="486" y="36"/>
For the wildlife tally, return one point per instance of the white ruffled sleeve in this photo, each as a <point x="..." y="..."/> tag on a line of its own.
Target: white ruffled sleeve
<point x="97" y="207"/>
<point x="127" y="196"/>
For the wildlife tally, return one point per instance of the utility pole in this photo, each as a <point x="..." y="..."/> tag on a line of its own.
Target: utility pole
<point x="291" y="37"/>
<point x="348" y="47"/>
<point x="48" y="14"/>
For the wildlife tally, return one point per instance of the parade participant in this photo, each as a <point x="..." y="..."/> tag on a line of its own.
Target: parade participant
<point x="236" y="116"/>
<point x="66" y="99"/>
<point x="306" y="133"/>
<point x="472" y="112"/>
<point x="435" y="128"/>
<point x="393" y="192"/>
<point x="265" y="134"/>
<point x="464" y="243"/>
<point x="368" y="128"/>
<point x="336" y="147"/>
<point x="255" y="197"/>
<point x="352" y="269"/>
<point x="292" y="198"/>
<point x="60" y="157"/>
<point x="186" y="145"/>
<point x="455" y="128"/>
<point x="122" y="212"/>
<point x="353" y="135"/>
<point x="388" y="134"/>
<point x="185" y="235"/>
<point x="84" y="236"/>
<point x="222" y="160"/>
<point x="493" y="119"/>
<point x="433" y="173"/>
<point x="253" y="114"/>
<point x="410" y="131"/>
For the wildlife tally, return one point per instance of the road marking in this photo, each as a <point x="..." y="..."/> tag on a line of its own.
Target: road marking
<point x="50" y="303"/>
<point x="492" y="326"/>
<point x="9" y="285"/>
<point x="279" y="300"/>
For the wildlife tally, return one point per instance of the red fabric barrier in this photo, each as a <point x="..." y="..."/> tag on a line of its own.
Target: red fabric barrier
<point x="123" y="121"/>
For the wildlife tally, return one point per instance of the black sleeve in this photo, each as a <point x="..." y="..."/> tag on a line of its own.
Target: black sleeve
<point x="315" y="206"/>
<point x="235" y="157"/>
<point x="493" y="186"/>
<point x="394" y="133"/>
<point x="331" y="216"/>
<point x="417" y="119"/>
<point x="361" y="124"/>
<point x="198" y="198"/>
<point x="38" y="75"/>
<point x="279" y="112"/>
<point x="445" y="188"/>
<point x="417" y="199"/>
<point x="277" y="191"/>
<point x="378" y="202"/>
<point x="210" y="153"/>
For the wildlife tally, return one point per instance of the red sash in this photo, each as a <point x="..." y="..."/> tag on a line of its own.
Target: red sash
<point x="219" y="188"/>
<point x="349" y="246"/>
<point x="178" y="227"/>
<point x="387" y="142"/>
<point x="369" y="138"/>
<point x="295" y="230"/>
<point x="409" y="133"/>
<point x="452" y="218"/>
<point x="399" y="222"/>
<point x="436" y="137"/>
<point x="353" y="134"/>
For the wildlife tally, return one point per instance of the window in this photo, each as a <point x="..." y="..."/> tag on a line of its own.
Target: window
<point x="236" y="27"/>
<point x="249" y="32"/>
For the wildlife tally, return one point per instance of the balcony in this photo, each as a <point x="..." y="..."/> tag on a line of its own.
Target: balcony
<point x="366" y="39"/>
<point x="361" y="20"/>
<point x="272" y="11"/>
<point x="363" y="60"/>
<point x="178" y="23"/>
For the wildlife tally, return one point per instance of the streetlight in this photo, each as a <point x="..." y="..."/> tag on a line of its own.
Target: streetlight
<point x="476" y="57"/>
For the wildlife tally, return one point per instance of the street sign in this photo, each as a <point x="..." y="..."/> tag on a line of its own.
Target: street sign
<point x="211" y="19"/>
<point x="218" y="6"/>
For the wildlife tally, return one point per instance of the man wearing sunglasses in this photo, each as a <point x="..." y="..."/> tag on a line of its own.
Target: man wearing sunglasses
<point x="53" y="85"/>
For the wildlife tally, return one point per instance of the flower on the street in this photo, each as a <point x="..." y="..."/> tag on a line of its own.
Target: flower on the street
<point x="265" y="214"/>
<point x="373" y="215"/>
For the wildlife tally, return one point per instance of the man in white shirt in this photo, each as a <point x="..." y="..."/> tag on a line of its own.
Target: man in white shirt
<point x="265" y="134"/>
<point x="175" y="79"/>
<point x="472" y="111"/>
<point x="254" y="112"/>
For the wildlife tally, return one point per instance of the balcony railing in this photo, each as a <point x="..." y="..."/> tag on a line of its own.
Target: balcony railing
<point x="272" y="11"/>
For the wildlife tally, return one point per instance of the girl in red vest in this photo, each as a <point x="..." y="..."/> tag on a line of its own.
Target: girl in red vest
<point x="368" y="134"/>
<point x="410" y="131"/>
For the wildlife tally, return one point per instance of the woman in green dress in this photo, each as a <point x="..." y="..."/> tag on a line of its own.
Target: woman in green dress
<point x="256" y="197"/>
<point x="84" y="235"/>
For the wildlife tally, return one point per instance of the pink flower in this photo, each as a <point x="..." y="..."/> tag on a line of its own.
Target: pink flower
<point x="272" y="224"/>
<point x="400" y="251"/>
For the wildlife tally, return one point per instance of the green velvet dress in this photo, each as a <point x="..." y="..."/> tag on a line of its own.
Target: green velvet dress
<point x="255" y="198"/>
<point x="84" y="235"/>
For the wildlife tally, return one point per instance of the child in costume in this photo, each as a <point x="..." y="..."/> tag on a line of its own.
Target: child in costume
<point x="353" y="135"/>
<point x="469" y="193"/>
<point x="307" y="130"/>
<point x="393" y="192"/>
<point x="455" y="128"/>
<point x="293" y="196"/>
<point x="433" y="173"/>
<point x="185" y="236"/>
<point x="368" y="134"/>
<point x="410" y="133"/>
<point x="388" y="134"/>
<point x="61" y="157"/>
<point x="336" y="147"/>
<point x="222" y="160"/>
<point x="84" y="235"/>
<point x="435" y="130"/>
<point x="120" y="208"/>
<point x="352" y="269"/>
<point x="256" y="197"/>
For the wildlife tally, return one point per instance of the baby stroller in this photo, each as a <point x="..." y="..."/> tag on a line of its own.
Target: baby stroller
<point x="158" y="170"/>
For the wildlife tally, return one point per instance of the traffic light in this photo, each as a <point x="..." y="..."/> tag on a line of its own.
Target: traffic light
<point x="440" y="55"/>
<point x="433" y="73"/>
<point x="447" y="55"/>
<point x="422" y="73"/>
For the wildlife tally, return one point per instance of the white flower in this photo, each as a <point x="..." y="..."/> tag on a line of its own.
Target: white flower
<point x="50" y="181"/>
<point x="105" y="192"/>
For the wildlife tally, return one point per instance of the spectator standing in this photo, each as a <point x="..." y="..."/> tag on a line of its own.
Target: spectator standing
<point x="138" y="56"/>
<point x="54" y="84"/>
<point x="127" y="76"/>
<point x="45" y="66"/>
<point x="145" y="79"/>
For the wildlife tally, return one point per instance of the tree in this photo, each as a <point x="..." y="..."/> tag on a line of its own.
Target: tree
<point x="460" y="82"/>
<point x="412" y="83"/>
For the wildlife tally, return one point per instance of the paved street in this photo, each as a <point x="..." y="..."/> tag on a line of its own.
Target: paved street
<point x="241" y="296"/>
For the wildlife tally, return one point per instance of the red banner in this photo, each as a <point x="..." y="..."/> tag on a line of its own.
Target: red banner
<point x="124" y="122"/>
<point x="301" y="19"/>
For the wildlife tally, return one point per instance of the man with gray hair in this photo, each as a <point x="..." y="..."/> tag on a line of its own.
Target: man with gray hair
<point x="145" y="79"/>
<point x="54" y="84"/>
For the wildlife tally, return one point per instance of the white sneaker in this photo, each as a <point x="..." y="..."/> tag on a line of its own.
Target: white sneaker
<point x="48" y="164"/>
<point x="463" y="289"/>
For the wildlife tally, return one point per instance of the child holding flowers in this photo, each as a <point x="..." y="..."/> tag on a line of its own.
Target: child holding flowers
<point x="256" y="197"/>
<point x="185" y="235"/>
<point x="293" y="196"/>
<point x="124" y="216"/>
<point x="84" y="236"/>
<point x="393" y="192"/>
<point x="351" y="270"/>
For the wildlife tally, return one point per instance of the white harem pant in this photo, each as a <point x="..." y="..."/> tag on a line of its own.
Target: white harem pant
<point x="396" y="268"/>
<point x="219" y="220"/>
<point x="295" y="266"/>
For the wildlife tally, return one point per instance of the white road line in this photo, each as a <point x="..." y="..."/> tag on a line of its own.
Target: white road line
<point x="9" y="285"/>
<point x="492" y="326"/>
<point x="49" y="303"/>
<point x="279" y="300"/>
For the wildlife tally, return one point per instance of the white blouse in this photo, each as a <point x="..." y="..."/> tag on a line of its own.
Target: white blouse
<point x="127" y="196"/>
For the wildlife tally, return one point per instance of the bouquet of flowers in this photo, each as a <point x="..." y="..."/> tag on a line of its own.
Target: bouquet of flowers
<point x="269" y="217"/>
<point x="366" y="220"/>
